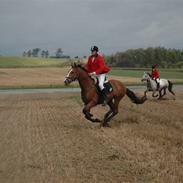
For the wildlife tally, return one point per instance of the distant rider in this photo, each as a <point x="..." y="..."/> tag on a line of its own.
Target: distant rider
<point x="96" y="67"/>
<point x="155" y="75"/>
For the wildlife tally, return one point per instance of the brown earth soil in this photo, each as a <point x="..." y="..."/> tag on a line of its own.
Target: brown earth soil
<point x="32" y="76"/>
<point x="37" y="77"/>
<point x="44" y="138"/>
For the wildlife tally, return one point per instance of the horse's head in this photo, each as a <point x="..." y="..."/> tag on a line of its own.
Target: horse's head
<point x="74" y="73"/>
<point x="145" y="77"/>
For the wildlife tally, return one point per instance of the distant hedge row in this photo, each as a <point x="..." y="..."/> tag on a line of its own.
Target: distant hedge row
<point x="163" y="57"/>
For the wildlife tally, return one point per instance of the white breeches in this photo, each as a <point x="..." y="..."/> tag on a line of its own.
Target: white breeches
<point x="101" y="79"/>
<point x="157" y="79"/>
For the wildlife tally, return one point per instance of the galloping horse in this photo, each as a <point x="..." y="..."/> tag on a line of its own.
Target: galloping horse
<point x="91" y="96"/>
<point x="152" y="85"/>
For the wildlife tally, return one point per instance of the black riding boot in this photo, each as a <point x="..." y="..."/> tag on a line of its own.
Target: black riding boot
<point x="104" y="94"/>
<point x="158" y="85"/>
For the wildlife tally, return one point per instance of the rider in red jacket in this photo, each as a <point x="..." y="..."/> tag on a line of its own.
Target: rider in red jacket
<point x="96" y="67"/>
<point x="95" y="63"/>
<point x="155" y="75"/>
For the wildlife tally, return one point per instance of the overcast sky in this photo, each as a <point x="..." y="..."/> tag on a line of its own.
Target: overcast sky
<point x="76" y="25"/>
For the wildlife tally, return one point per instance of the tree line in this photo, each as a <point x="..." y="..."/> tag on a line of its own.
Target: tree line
<point x="163" y="57"/>
<point x="37" y="52"/>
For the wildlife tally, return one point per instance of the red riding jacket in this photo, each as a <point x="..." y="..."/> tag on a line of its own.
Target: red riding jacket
<point x="155" y="74"/>
<point x="96" y="64"/>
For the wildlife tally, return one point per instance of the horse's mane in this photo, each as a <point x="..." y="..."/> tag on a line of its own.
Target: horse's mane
<point x="149" y="74"/>
<point x="81" y="66"/>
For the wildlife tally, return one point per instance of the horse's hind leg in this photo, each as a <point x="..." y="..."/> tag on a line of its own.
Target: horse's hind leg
<point x="104" y="122"/>
<point x="170" y="90"/>
<point x="114" y="111"/>
<point x="160" y="92"/>
<point x="160" y="95"/>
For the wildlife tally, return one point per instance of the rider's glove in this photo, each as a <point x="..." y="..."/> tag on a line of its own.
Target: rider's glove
<point x="92" y="73"/>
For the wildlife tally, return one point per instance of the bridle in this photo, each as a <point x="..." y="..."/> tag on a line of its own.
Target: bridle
<point x="69" y="79"/>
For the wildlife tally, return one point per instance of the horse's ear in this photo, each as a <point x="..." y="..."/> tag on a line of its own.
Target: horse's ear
<point x="78" y="62"/>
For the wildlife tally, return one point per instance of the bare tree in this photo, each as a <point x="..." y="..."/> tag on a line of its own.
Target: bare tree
<point x="35" y="52"/>
<point x="29" y="53"/>
<point x="59" y="53"/>
<point x="42" y="53"/>
<point x="46" y="53"/>
<point x="24" y="54"/>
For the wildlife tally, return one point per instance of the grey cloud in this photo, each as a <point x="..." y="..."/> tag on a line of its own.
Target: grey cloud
<point x="75" y="25"/>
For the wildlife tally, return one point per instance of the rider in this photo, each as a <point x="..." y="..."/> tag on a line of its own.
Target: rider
<point x="96" y="67"/>
<point x="155" y="75"/>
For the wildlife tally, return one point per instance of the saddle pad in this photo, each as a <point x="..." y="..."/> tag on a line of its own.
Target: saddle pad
<point x="107" y="86"/>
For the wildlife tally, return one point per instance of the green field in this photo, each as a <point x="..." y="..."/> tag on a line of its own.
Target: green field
<point x="23" y="62"/>
<point x="139" y="73"/>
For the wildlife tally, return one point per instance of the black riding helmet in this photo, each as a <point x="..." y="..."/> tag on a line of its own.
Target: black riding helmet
<point x="154" y="66"/>
<point x="94" y="48"/>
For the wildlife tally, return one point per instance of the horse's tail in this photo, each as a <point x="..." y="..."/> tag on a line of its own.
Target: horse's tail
<point x="170" y="86"/>
<point x="134" y="98"/>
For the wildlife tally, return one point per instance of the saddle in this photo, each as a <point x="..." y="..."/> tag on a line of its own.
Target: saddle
<point x="108" y="89"/>
<point x="107" y="86"/>
<point x="157" y="84"/>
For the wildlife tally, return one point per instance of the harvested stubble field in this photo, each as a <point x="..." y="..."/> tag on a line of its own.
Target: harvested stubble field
<point x="44" y="138"/>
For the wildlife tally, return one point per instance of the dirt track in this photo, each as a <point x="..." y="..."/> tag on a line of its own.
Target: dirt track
<point x="44" y="138"/>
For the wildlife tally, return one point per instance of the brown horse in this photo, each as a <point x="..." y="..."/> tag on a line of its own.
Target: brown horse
<point x="91" y="96"/>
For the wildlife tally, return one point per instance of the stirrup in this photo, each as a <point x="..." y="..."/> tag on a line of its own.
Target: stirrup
<point x="105" y="102"/>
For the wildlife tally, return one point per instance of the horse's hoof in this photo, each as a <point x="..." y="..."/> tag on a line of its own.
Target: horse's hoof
<point x="106" y="125"/>
<point x="91" y="115"/>
<point x="101" y="125"/>
<point x="97" y="120"/>
<point x="154" y="96"/>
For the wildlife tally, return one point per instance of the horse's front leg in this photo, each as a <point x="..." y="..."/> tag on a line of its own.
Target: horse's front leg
<point x="88" y="115"/>
<point x="145" y="93"/>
